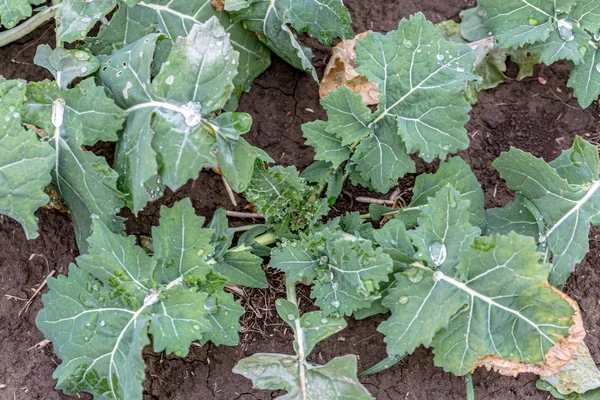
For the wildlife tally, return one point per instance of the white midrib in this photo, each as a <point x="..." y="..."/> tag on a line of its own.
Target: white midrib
<point x="116" y="346"/>
<point x="301" y="358"/>
<point x="386" y="112"/>
<point x="592" y="190"/>
<point x="440" y="276"/>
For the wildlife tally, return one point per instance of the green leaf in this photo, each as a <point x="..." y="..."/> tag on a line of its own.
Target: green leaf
<point x="13" y="11"/>
<point x="346" y="271"/>
<point x="74" y="118"/>
<point x="66" y="65"/>
<point x="271" y="21"/>
<point x="553" y="30"/>
<point x="514" y="217"/>
<point x="472" y="26"/>
<point x="421" y="76"/>
<point x="76" y="18"/>
<point x="337" y="379"/>
<point x="328" y="147"/>
<point x="285" y="199"/>
<point x="579" y="376"/>
<point x="566" y="193"/>
<point x="444" y="231"/>
<point x="348" y="115"/>
<point x="322" y="172"/>
<point x="455" y="172"/>
<point x="169" y="137"/>
<point x="26" y="163"/>
<point x="381" y="159"/>
<point x="100" y="316"/>
<point x="585" y="78"/>
<point x="176" y="18"/>
<point x="242" y="268"/>
<point x="493" y="302"/>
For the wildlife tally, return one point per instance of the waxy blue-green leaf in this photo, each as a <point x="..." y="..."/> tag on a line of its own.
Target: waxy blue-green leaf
<point x="455" y="172"/>
<point x="567" y="194"/>
<point x="169" y="137"/>
<point x="493" y="302"/>
<point x="444" y="230"/>
<point x="66" y="65"/>
<point x="301" y="379"/>
<point x="420" y="76"/>
<point x="323" y="172"/>
<point x="175" y="18"/>
<point x="585" y="77"/>
<point x="552" y="30"/>
<point x="328" y="147"/>
<point x="26" y="162"/>
<point x="76" y="17"/>
<point x="13" y="11"/>
<point x="516" y="216"/>
<point x="271" y="20"/>
<point x="100" y="316"/>
<point x="348" y="115"/>
<point x="74" y="118"/>
<point x="334" y="380"/>
<point x="346" y="271"/>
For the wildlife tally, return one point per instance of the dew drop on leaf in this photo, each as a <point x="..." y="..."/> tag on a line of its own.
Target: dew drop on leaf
<point x="598" y="67"/>
<point x="438" y="253"/>
<point x="335" y="304"/>
<point x="323" y="320"/>
<point x="407" y="43"/>
<point x="196" y="327"/>
<point x="583" y="50"/>
<point x="533" y="21"/>
<point x="440" y="57"/>
<point x="597" y="36"/>
<point x="403" y="300"/>
<point x="565" y="29"/>
<point x="102" y="323"/>
<point x="291" y="317"/>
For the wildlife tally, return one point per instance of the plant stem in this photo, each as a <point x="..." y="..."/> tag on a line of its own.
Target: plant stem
<point x="469" y="382"/>
<point x="264" y="240"/>
<point x="20" y="31"/>
<point x="238" y="214"/>
<point x="245" y="228"/>
<point x="290" y="290"/>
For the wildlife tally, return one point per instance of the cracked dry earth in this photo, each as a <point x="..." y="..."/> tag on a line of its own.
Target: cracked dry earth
<point x="541" y="119"/>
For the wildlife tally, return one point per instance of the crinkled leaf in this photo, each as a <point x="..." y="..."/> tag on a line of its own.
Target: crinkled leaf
<point x="323" y="172"/>
<point x="567" y="197"/>
<point x="26" y="162"/>
<point x="13" y="11"/>
<point x="82" y="116"/>
<point x="76" y="17"/>
<point x="346" y="271"/>
<point x="328" y="147"/>
<point x="66" y="65"/>
<point x="271" y="21"/>
<point x="494" y="302"/>
<point x="285" y="199"/>
<point x="348" y="115"/>
<point x="99" y="317"/>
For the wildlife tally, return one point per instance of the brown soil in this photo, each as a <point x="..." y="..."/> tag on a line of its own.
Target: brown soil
<point x="541" y="119"/>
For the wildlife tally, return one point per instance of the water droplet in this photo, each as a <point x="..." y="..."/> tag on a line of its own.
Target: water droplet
<point x="597" y="36"/>
<point x="542" y="238"/>
<point x="291" y="317"/>
<point x="88" y="325"/>
<point x="533" y="21"/>
<point x="170" y="80"/>
<point x="102" y="323"/>
<point x="490" y="33"/>
<point x="11" y="108"/>
<point x="128" y="86"/>
<point x="407" y="43"/>
<point x="598" y="67"/>
<point x="7" y="118"/>
<point x="196" y="327"/>
<point x="335" y="304"/>
<point x="583" y="50"/>
<point x="565" y="29"/>
<point x="415" y="278"/>
<point x="323" y="320"/>
<point x="84" y="69"/>
<point x="86" y="20"/>
<point x="437" y="276"/>
<point x="439" y="57"/>
<point x="419" y="49"/>
<point x="334" y="285"/>
<point x="403" y="300"/>
<point x="87" y="339"/>
<point x="438" y="253"/>
<point x="481" y="12"/>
